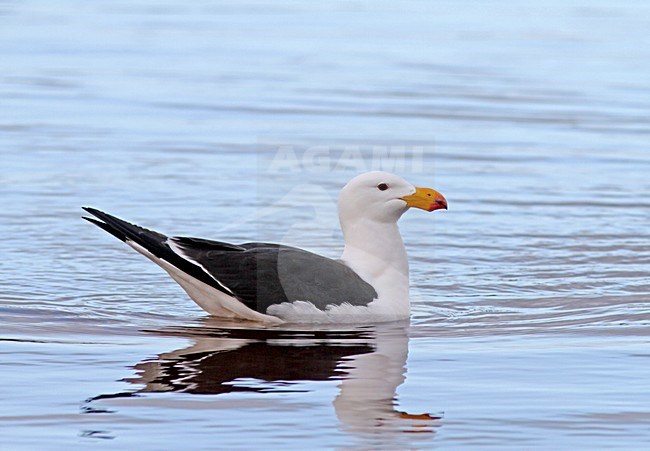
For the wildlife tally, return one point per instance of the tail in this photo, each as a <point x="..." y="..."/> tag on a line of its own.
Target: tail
<point x="153" y="242"/>
<point x="150" y="241"/>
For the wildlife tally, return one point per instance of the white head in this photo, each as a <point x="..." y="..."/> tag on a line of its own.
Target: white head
<point x="383" y="197"/>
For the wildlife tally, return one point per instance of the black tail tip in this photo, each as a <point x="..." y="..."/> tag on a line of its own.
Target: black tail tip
<point x="107" y="227"/>
<point x="89" y="219"/>
<point x="90" y="210"/>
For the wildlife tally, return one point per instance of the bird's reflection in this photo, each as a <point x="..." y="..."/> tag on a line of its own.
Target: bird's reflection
<point x="225" y="358"/>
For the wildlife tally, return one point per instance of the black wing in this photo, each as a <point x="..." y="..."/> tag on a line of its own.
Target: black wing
<point x="263" y="274"/>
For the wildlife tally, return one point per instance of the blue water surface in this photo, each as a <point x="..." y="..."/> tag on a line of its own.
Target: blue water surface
<point x="241" y="121"/>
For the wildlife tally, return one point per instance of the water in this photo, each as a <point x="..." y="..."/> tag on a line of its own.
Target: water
<point x="531" y="307"/>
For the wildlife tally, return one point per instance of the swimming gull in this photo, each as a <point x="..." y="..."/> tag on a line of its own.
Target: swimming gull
<point x="276" y="283"/>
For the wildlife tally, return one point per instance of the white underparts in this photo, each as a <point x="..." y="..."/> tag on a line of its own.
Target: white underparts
<point x="208" y="298"/>
<point x="303" y="311"/>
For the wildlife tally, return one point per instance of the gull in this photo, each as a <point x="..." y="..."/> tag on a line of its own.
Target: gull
<point x="274" y="283"/>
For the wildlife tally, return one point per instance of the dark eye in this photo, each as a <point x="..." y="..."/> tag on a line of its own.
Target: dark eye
<point x="382" y="187"/>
